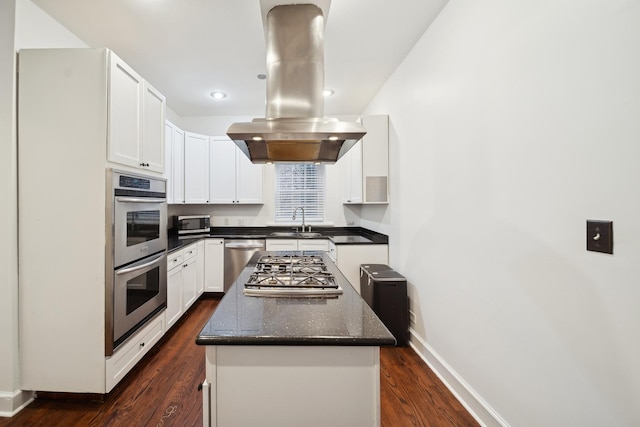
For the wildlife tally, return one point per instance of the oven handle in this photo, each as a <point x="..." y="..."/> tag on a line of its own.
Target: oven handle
<point x="141" y="266"/>
<point x="139" y="200"/>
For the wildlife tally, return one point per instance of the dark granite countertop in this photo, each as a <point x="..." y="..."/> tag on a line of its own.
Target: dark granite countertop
<point x="338" y="235"/>
<point x="248" y="320"/>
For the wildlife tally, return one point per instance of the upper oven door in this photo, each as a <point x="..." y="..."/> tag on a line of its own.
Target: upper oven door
<point x="139" y="228"/>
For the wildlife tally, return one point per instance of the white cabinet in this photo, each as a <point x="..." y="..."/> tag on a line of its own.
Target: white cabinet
<point x="174" y="288"/>
<point x="200" y="268"/>
<point x="73" y="109"/>
<point x="313" y="245"/>
<point x="348" y="259"/>
<point x="136" y="119"/>
<point x="152" y="146"/>
<point x="234" y="179"/>
<point x="174" y="162"/>
<point x="196" y="168"/>
<point x="178" y="165"/>
<point x="297" y="245"/>
<point x="365" y="167"/>
<point x="168" y="159"/>
<point x="214" y="265"/>
<point x="126" y="357"/>
<point x="343" y="379"/>
<point x="189" y="276"/>
<point x="281" y="245"/>
<point x="183" y="281"/>
<point x="351" y="164"/>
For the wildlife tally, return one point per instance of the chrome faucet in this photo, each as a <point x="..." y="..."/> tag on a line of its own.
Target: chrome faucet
<point x="294" y="217"/>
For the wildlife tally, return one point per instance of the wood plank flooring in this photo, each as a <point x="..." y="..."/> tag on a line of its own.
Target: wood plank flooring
<point x="162" y="390"/>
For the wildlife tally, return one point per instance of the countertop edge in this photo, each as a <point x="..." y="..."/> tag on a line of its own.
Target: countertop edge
<point x="320" y="341"/>
<point x="331" y="233"/>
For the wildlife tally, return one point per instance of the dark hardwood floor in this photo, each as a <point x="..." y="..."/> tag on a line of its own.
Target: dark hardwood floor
<point x="163" y="389"/>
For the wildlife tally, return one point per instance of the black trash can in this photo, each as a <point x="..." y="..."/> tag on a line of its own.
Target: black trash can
<point x="385" y="290"/>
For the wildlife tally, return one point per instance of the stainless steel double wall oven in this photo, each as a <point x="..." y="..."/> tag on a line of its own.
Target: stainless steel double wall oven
<point x="136" y="253"/>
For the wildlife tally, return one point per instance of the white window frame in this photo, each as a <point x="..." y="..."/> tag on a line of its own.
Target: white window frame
<point x="300" y="185"/>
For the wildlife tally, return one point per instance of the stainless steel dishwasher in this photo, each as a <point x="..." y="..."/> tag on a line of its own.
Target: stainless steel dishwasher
<point x="237" y="253"/>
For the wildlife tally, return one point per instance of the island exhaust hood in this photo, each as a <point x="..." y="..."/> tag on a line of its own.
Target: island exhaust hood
<point x="294" y="128"/>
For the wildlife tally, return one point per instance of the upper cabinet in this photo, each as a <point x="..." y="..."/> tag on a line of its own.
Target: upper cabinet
<point x="174" y="162"/>
<point x="136" y="119"/>
<point x="365" y="167"/>
<point x="233" y="178"/>
<point x="196" y="168"/>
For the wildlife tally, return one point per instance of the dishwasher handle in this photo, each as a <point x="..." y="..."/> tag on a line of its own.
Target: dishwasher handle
<point x="244" y="246"/>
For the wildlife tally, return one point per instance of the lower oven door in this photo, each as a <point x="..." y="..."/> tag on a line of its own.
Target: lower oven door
<point x="139" y="292"/>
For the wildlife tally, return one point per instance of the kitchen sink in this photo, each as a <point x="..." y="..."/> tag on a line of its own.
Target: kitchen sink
<point x="284" y="234"/>
<point x="306" y="234"/>
<point x="309" y="234"/>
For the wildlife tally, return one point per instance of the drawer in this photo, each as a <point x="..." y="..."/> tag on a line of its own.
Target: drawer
<point x="190" y="252"/>
<point x="130" y="353"/>
<point x="174" y="259"/>
<point x="313" y="245"/>
<point x="281" y="245"/>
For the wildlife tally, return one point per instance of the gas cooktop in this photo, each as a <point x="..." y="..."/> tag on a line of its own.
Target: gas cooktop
<point x="292" y="276"/>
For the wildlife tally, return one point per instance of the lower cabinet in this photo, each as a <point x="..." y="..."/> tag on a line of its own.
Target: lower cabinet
<point x="174" y="289"/>
<point x="200" y="269"/>
<point x="348" y="259"/>
<point x="214" y="265"/>
<point x="126" y="357"/>
<point x="189" y="283"/>
<point x="297" y="245"/>
<point x="183" y="282"/>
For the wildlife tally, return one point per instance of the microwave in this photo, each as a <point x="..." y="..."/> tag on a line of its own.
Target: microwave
<point x="192" y="224"/>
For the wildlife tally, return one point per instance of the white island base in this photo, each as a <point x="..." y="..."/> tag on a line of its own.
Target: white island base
<point x="287" y="386"/>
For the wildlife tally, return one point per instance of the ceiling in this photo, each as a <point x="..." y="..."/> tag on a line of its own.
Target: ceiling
<point x="189" y="48"/>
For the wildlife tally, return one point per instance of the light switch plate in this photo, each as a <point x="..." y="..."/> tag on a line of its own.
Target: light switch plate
<point x="600" y="236"/>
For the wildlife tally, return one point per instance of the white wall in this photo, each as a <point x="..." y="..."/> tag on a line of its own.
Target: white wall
<point x="22" y="25"/>
<point x="519" y="120"/>
<point x="259" y="215"/>
<point x="8" y="214"/>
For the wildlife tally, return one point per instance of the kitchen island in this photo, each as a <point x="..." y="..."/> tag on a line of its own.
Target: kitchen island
<point x="291" y="361"/>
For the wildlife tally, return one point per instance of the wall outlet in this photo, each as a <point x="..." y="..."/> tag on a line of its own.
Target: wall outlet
<point x="412" y="318"/>
<point x="226" y="221"/>
<point x="350" y="222"/>
<point x="240" y="221"/>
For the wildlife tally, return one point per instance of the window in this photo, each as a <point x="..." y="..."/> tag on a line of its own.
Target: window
<point x="299" y="184"/>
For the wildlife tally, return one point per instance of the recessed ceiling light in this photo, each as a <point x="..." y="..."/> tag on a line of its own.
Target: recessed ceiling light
<point x="218" y="95"/>
<point x="333" y="138"/>
<point x="327" y="92"/>
<point x="257" y="138"/>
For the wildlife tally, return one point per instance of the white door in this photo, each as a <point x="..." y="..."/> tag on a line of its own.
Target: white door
<point x="178" y="165"/>
<point x="125" y="105"/>
<point x="189" y="283"/>
<point x="223" y="171"/>
<point x="214" y="265"/>
<point x="152" y="128"/>
<point x="168" y="159"/>
<point x="196" y="168"/>
<point x="174" y="296"/>
<point x="248" y="179"/>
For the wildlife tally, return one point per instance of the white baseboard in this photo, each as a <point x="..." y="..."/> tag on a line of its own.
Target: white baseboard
<point x="468" y="397"/>
<point x="12" y="403"/>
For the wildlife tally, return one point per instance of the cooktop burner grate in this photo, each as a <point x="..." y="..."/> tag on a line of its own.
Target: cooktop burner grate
<point x="291" y="275"/>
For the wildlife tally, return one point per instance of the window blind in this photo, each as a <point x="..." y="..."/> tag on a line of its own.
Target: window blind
<point x="299" y="184"/>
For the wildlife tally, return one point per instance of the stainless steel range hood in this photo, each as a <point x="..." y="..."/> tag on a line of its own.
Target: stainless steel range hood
<point x="295" y="129"/>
